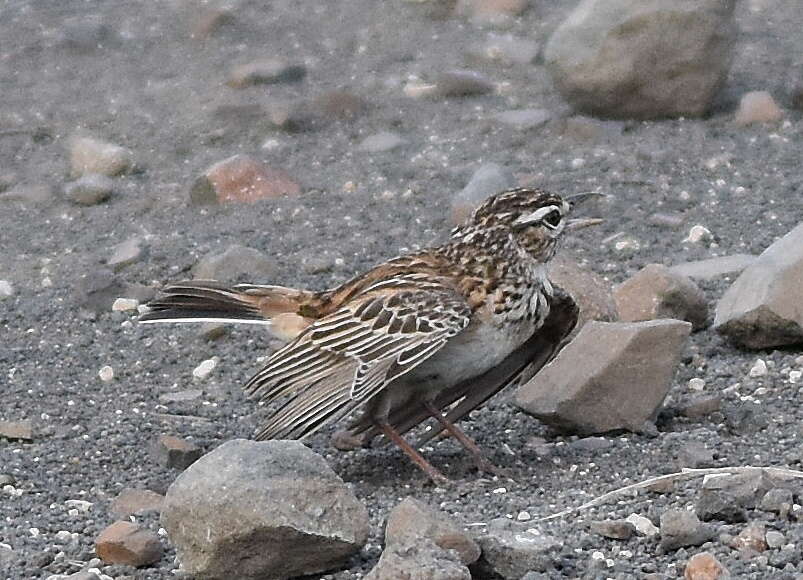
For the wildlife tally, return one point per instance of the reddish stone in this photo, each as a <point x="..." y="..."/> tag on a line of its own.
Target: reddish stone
<point x="704" y="566"/>
<point x="136" y="502"/>
<point x="241" y="179"/>
<point x="129" y="544"/>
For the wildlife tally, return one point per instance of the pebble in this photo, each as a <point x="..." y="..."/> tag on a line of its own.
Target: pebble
<point x="203" y="370"/>
<point x="776" y="500"/>
<point x="751" y="539"/>
<point x="643" y="526"/>
<point x="757" y="107"/>
<point x="233" y="263"/>
<point x="22" y="430"/>
<point x="241" y="178"/>
<point x="759" y="369"/>
<point x="775" y="539"/>
<point x="175" y="452"/>
<point x="614" y="529"/>
<point x="89" y="189"/>
<point x="680" y="528"/>
<point x="125" y="304"/>
<point x="700" y="406"/>
<point x="6" y="289"/>
<point x="91" y="155"/>
<point x="695" y="455"/>
<point x="462" y="83"/>
<point x="698" y="234"/>
<point x="125" y="254"/>
<point x="696" y="384"/>
<point x="129" y="544"/>
<point x="704" y="566"/>
<point x="795" y="376"/>
<point x="265" y="71"/>
<point x="106" y="373"/>
<point x="136" y="502"/>
<point x="381" y="142"/>
<point x="713" y="268"/>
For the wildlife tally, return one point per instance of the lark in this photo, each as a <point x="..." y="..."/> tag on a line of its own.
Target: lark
<point x="429" y="335"/>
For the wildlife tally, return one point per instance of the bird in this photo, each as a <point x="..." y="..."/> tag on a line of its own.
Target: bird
<point x="428" y="335"/>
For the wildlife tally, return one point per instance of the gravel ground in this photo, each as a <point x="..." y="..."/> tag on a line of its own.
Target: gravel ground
<point x="158" y="91"/>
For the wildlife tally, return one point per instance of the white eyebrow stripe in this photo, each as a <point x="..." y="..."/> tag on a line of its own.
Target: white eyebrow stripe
<point x="537" y="215"/>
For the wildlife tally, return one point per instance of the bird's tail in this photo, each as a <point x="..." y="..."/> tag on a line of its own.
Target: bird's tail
<point x="212" y="301"/>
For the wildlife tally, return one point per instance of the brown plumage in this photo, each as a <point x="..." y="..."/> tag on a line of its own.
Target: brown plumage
<point x="439" y="330"/>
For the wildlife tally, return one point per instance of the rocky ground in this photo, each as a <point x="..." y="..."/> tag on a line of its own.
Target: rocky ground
<point x="160" y="80"/>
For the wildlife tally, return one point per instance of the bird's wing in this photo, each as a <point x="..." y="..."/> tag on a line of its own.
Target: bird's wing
<point x="346" y="357"/>
<point x="518" y="368"/>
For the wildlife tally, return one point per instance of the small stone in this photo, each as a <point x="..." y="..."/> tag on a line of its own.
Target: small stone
<point x="511" y="549"/>
<point x="22" y="430"/>
<point x="761" y="309"/>
<point x="751" y="539"/>
<point x="203" y="370"/>
<point x="680" y="528"/>
<point x="265" y="71"/>
<point x="656" y="292"/>
<point x="592" y="293"/>
<point x="462" y="83"/>
<point x="696" y="384"/>
<point x="84" y="575"/>
<point x="213" y="331"/>
<point x="614" y="529"/>
<point x="746" y="488"/>
<point x="716" y="504"/>
<point x="125" y="305"/>
<point x="241" y="179"/>
<point x="775" y="539"/>
<point x="704" y="566"/>
<point x="592" y="444"/>
<point x="795" y="377"/>
<point x="233" y="264"/>
<point x="6" y="289"/>
<point x="713" y="268"/>
<point x="758" y="107"/>
<point x="174" y="452"/>
<point x="381" y="142"/>
<point x="523" y="516"/>
<point x="698" y="234"/>
<point x="776" y="500"/>
<point x="759" y="369"/>
<point x="489" y="179"/>
<point x="613" y="375"/>
<point x="700" y="406"/>
<point x="136" y="502"/>
<point x="224" y="510"/>
<point x="89" y="189"/>
<point x="666" y="220"/>
<point x="597" y="57"/>
<point x="412" y="520"/>
<point x="745" y="417"/>
<point x="419" y="560"/>
<point x="129" y="544"/>
<point x="125" y="254"/>
<point x="90" y="155"/>
<point x="106" y="373"/>
<point x="523" y="119"/>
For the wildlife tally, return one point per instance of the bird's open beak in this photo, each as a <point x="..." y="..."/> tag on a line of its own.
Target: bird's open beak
<point x="580" y="223"/>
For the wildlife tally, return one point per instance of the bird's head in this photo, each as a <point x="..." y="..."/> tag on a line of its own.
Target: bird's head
<point x="534" y="218"/>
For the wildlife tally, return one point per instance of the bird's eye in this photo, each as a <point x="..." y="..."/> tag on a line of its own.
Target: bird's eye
<point x="552" y="219"/>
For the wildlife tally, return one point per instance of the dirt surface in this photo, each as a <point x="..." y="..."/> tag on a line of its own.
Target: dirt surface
<point x="155" y="89"/>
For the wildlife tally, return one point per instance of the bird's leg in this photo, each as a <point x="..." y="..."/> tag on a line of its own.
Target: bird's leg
<point x="435" y="475"/>
<point x="482" y="462"/>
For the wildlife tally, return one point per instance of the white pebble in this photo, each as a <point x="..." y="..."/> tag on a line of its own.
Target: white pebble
<point x="597" y="555"/>
<point x="6" y="289"/>
<point x="578" y="162"/>
<point x="63" y="536"/>
<point x="759" y="368"/>
<point x="34" y="532"/>
<point x="643" y="525"/>
<point x="500" y="490"/>
<point x="696" y="384"/>
<point x="203" y="370"/>
<point x="125" y="304"/>
<point x="698" y="234"/>
<point x="523" y="516"/>
<point x="106" y="374"/>
<point x="795" y="376"/>
<point x="80" y="504"/>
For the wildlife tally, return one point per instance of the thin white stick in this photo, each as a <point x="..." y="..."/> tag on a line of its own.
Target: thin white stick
<point x="686" y="473"/>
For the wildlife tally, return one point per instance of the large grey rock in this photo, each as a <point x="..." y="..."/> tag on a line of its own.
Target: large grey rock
<point x="642" y="58"/>
<point x="613" y="375"/>
<point x="489" y="179"/>
<point x="762" y="308"/>
<point x="262" y="510"/>
<point x="419" y="560"/>
<point x="412" y="520"/>
<point x="713" y="268"/>
<point x="656" y="292"/>
<point x="511" y="550"/>
<point x="234" y="263"/>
